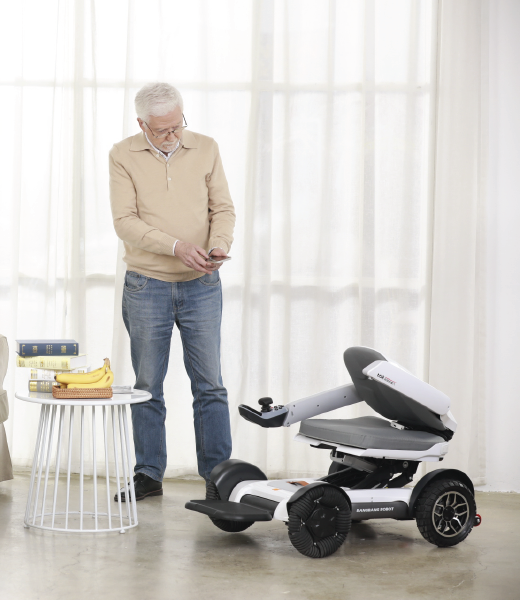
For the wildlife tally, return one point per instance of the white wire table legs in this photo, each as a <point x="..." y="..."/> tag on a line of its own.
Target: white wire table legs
<point x="52" y="503"/>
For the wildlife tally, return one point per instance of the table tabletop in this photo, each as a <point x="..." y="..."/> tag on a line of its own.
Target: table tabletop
<point x="117" y="399"/>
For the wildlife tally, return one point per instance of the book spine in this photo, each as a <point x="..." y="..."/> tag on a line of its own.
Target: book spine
<point x="27" y="362"/>
<point x="45" y="362"/>
<point x="42" y="386"/>
<point x="49" y="349"/>
<point x="49" y="374"/>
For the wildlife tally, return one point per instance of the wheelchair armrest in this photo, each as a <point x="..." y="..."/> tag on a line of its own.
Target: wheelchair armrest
<point x="305" y="408"/>
<point x="315" y="405"/>
<point x="272" y="418"/>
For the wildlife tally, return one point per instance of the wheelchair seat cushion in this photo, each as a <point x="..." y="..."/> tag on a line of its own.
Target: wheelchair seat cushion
<point x="368" y="432"/>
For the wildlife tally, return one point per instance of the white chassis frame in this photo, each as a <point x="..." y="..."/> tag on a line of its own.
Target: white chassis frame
<point x="281" y="490"/>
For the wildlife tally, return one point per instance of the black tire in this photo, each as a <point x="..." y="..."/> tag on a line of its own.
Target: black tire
<point x="229" y="526"/>
<point x="321" y="506"/>
<point x="349" y="478"/>
<point x="445" y="512"/>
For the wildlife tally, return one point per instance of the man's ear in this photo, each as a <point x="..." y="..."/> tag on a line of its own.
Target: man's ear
<point x="141" y="124"/>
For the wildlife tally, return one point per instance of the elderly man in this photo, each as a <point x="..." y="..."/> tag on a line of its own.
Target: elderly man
<point x="172" y="208"/>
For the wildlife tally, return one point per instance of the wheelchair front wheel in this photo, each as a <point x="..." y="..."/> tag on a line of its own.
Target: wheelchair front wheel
<point x="319" y="521"/>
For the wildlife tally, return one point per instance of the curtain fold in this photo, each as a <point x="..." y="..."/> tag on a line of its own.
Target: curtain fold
<point x="339" y="150"/>
<point x="457" y="339"/>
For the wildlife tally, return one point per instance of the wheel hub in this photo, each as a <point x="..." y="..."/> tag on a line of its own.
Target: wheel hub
<point x="322" y="522"/>
<point x="450" y="514"/>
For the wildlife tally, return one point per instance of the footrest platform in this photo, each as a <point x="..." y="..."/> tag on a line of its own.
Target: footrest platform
<point x="229" y="511"/>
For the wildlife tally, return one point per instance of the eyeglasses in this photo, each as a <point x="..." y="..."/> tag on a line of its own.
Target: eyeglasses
<point x="162" y="134"/>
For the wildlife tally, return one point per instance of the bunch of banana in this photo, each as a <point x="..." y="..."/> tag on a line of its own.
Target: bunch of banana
<point x="100" y="378"/>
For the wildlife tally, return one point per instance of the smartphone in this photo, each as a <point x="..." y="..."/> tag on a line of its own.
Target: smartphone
<point x="218" y="259"/>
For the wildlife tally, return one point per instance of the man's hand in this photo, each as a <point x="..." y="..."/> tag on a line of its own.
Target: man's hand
<point x="216" y="253"/>
<point x="193" y="256"/>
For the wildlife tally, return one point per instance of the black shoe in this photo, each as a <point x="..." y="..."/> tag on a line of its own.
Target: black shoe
<point x="144" y="486"/>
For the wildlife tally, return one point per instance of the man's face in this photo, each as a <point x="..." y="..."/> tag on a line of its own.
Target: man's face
<point x="159" y="125"/>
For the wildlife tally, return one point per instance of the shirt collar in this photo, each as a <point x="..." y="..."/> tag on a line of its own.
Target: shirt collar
<point x="166" y="154"/>
<point x="140" y="142"/>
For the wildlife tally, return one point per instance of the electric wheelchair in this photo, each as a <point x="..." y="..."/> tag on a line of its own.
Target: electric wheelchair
<point x="373" y="459"/>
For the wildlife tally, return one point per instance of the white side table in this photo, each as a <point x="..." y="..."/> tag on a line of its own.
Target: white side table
<point x="62" y="518"/>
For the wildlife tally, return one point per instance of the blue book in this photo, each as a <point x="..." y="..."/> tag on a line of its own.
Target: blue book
<point x="47" y="347"/>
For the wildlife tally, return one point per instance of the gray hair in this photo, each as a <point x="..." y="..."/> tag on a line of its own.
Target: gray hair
<point x="157" y="100"/>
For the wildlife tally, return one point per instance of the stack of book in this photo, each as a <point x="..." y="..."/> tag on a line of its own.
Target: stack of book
<point x="47" y="358"/>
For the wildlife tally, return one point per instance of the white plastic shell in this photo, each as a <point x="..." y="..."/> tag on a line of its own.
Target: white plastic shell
<point x="395" y="377"/>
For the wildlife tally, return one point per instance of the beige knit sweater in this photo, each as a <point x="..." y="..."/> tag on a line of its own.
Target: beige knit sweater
<point x="156" y="202"/>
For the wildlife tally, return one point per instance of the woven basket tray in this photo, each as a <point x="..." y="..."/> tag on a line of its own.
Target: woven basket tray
<point x="81" y="394"/>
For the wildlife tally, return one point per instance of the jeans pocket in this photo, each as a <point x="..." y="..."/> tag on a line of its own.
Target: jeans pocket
<point x="134" y="282"/>
<point x="212" y="279"/>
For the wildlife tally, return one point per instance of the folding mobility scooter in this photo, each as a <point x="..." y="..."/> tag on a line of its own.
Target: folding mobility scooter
<point x="373" y="459"/>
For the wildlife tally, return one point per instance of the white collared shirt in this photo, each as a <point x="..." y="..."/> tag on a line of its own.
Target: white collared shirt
<point x="165" y="154"/>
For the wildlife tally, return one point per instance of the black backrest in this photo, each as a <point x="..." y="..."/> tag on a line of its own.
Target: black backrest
<point x="386" y="401"/>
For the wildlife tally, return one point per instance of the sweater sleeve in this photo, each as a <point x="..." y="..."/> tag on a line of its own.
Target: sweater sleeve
<point x="220" y="205"/>
<point x="129" y="227"/>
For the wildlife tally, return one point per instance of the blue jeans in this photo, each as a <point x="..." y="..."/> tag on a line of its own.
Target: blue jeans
<point x="150" y="310"/>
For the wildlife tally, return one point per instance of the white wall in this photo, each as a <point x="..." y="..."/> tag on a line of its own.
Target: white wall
<point x="503" y="251"/>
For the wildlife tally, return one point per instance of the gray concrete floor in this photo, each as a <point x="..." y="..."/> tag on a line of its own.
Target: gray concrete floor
<point x="175" y="553"/>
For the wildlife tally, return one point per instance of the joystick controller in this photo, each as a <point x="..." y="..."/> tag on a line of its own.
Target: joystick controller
<point x="265" y="404"/>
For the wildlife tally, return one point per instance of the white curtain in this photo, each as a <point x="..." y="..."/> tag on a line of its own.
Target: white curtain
<point x="336" y="142"/>
<point x="457" y="354"/>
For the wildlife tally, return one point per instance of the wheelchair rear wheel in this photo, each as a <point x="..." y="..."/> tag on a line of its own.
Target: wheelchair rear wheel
<point x="445" y="512"/>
